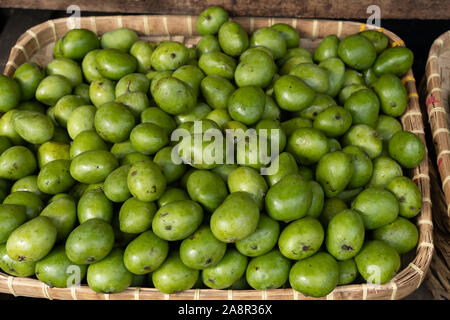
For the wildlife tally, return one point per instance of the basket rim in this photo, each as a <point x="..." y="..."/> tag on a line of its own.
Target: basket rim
<point x="403" y="283"/>
<point x="437" y="113"/>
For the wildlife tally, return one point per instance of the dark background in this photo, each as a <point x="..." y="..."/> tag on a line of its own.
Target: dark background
<point x="417" y="34"/>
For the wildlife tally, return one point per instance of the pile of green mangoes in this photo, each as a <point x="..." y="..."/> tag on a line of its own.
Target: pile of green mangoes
<point x="90" y="191"/>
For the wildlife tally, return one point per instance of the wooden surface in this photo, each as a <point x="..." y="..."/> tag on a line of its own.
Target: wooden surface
<point x="348" y="9"/>
<point x="18" y="21"/>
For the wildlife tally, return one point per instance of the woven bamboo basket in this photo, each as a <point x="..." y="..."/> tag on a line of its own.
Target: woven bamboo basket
<point x="436" y="88"/>
<point x="36" y="45"/>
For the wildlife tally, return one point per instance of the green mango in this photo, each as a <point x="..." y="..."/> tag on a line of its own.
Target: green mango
<point x="229" y="270"/>
<point x="17" y="162"/>
<point x="145" y="254"/>
<point x="155" y="76"/>
<point x="133" y="157"/>
<point x="397" y="60"/>
<point x="262" y="240"/>
<point x="115" y="185"/>
<point x="136" y="216"/>
<point x="246" y="179"/>
<point x="331" y="207"/>
<point x="257" y="69"/>
<point x="7" y="129"/>
<point x="314" y="76"/>
<point x="177" y="220"/>
<point x="377" y="207"/>
<point x="392" y="94"/>
<point x="174" y="96"/>
<point x="5" y="144"/>
<point x="89" y="66"/>
<point x="233" y="38"/>
<point x="93" y="166"/>
<point x="236" y="218"/>
<point x="136" y="102"/>
<point x="173" y="275"/>
<point x="364" y="107"/>
<point x="301" y="238"/>
<point x="377" y="262"/>
<point x="191" y="75"/>
<point x="12" y="216"/>
<point x="333" y="121"/>
<point x="345" y="235"/>
<point x="200" y="111"/>
<point x="362" y="167"/>
<point x="55" y="177"/>
<point x="315" y="276"/>
<point x="334" y="145"/>
<point x="406" y="148"/>
<point x="120" y="39"/>
<point x="28" y="75"/>
<point x="102" y="91"/>
<point x="113" y="64"/>
<point x="289" y="126"/>
<point x="317" y="200"/>
<point x="292" y="62"/>
<point x="295" y="52"/>
<point x="271" y="39"/>
<point x="387" y="126"/>
<point x="207" y="188"/>
<point x="110" y="274"/>
<point x="146" y="181"/>
<point x="370" y="77"/>
<point x="85" y="141"/>
<point x="268" y="271"/>
<point x="63" y="213"/>
<point x="93" y="204"/>
<point x="286" y="166"/>
<point x="219" y="116"/>
<point x="169" y="56"/>
<point x="76" y="43"/>
<point x="347" y="91"/>
<point x="57" y="271"/>
<point x="28" y="183"/>
<point x="378" y="39"/>
<point x="133" y="82"/>
<point x="9" y="93"/>
<point x="202" y="250"/>
<point x="32" y="241"/>
<point x="401" y="234"/>
<point x="160" y="118"/>
<point x="217" y="63"/>
<point x="13" y="267"/>
<point x="308" y="145"/>
<point x="327" y="48"/>
<point x="408" y="196"/>
<point x="319" y="104"/>
<point x="172" y="195"/>
<point x="52" y="88"/>
<point x="289" y="199"/>
<point x="82" y="90"/>
<point x="364" y="137"/>
<point x="34" y="127"/>
<point x="357" y="52"/>
<point x="66" y="68"/>
<point x="271" y="109"/>
<point x="171" y="170"/>
<point x="288" y="33"/>
<point x="114" y="122"/>
<point x="143" y="51"/>
<point x="64" y="108"/>
<point x="246" y="104"/>
<point x="50" y="151"/>
<point x="292" y="94"/>
<point x="81" y="119"/>
<point x="348" y="272"/>
<point x="90" y="242"/>
<point x="334" y="172"/>
<point x="385" y="170"/>
<point x="207" y="43"/>
<point x="336" y="71"/>
<point x="210" y="20"/>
